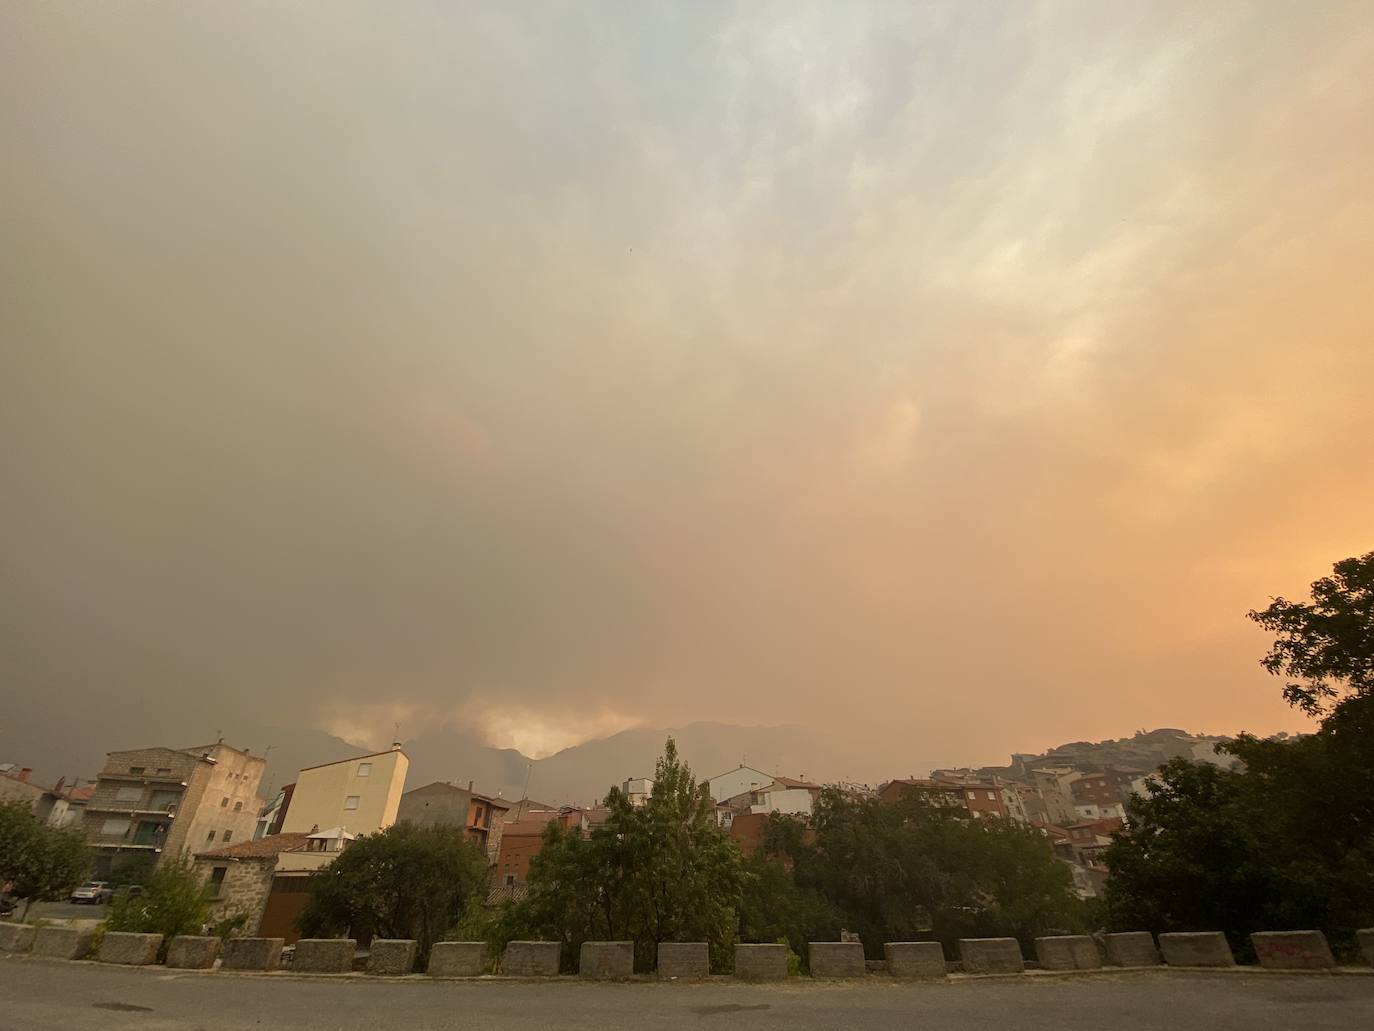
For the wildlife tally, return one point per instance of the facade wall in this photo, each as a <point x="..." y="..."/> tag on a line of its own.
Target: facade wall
<point x="244" y="889"/>
<point x="795" y="801"/>
<point x="737" y="782"/>
<point x="12" y="789"/>
<point x="221" y="800"/>
<point x="321" y="796"/>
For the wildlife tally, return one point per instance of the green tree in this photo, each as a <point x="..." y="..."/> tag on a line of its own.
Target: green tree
<point x="1325" y="646"/>
<point x="913" y="870"/>
<point x="659" y="872"/>
<point x="1285" y="841"/>
<point x="404" y="882"/>
<point x="174" y="901"/>
<point x="41" y="863"/>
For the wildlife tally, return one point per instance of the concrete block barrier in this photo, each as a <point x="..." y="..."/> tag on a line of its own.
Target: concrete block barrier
<point x="761" y="962"/>
<point x="685" y="961"/>
<point x="1292" y="950"/>
<point x="392" y="957"/>
<point x="16" y="937"/>
<point x="130" y="948"/>
<point x="457" y="959"/>
<point x="251" y="953"/>
<point x="1131" y="949"/>
<point x="1067" y="952"/>
<point x="1196" y="949"/>
<point x="836" y="959"/>
<point x="530" y="959"/>
<point x="63" y="942"/>
<point x="606" y="960"/>
<point x="1366" y="937"/>
<point x="915" y="959"/>
<point x="324" y="956"/>
<point x="192" y="952"/>
<point x="991" y="956"/>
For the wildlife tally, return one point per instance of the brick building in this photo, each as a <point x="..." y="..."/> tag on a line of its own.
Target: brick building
<point x="161" y="802"/>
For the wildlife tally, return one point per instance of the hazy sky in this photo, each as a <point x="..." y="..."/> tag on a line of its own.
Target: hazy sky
<point x="951" y="375"/>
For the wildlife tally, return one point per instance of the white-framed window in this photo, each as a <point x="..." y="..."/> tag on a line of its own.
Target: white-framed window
<point x="992" y="795"/>
<point x="351" y="802"/>
<point x="364" y="769"/>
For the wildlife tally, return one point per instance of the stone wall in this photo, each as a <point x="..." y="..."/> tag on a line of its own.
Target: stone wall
<point x="761" y="962"/>
<point x="457" y="959"/>
<point x="1067" y="952"/>
<point x="63" y="942"/>
<point x="530" y="959"/>
<point x="606" y="959"/>
<point x="391" y="957"/>
<point x="836" y="959"/>
<point x="915" y="959"/>
<point x="244" y="890"/>
<point x="192" y="952"/>
<point x="324" y="955"/>
<point x="16" y="937"/>
<point x="683" y="961"/>
<point x="1196" y="949"/>
<point x="130" y="948"/>
<point x="1366" y="937"/>
<point x="991" y="956"/>
<point x="1131" y="949"/>
<point x="251" y="953"/>
<point x="1292" y="950"/>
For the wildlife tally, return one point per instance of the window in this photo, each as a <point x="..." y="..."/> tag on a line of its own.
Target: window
<point x="238" y="806"/>
<point x="129" y="793"/>
<point x="217" y="880"/>
<point x="510" y="879"/>
<point x="115" y="826"/>
<point x="364" y="769"/>
<point x="992" y="796"/>
<point x="227" y="835"/>
<point x="351" y="802"/>
<point x="210" y="836"/>
<point x="136" y="771"/>
<point x="164" y="771"/>
<point x="225" y="802"/>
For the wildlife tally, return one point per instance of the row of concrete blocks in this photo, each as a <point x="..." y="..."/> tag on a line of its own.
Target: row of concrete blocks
<point x="1281" y="950"/>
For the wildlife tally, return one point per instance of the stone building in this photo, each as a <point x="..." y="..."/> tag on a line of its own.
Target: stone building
<point x="161" y="802"/>
<point x="238" y="877"/>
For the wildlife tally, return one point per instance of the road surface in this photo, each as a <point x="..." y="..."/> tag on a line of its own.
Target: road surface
<point x="49" y="995"/>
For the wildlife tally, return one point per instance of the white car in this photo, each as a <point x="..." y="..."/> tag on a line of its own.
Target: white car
<point x="92" y="892"/>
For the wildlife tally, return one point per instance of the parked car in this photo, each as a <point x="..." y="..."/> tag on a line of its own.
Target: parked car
<point x="93" y="893"/>
<point x="133" y="891"/>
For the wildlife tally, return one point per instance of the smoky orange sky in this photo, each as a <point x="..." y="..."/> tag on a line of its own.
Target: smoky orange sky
<point x="952" y="377"/>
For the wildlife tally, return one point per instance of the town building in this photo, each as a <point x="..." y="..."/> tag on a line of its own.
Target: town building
<point x="239" y="879"/>
<point x="521" y="840"/>
<point x="59" y="807"/>
<point x="637" y="790"/>
<point x="733" y="783"/>
<point x="442" y="804"/>
<point x="157" y="803"/>
<point x="361" y="794"/>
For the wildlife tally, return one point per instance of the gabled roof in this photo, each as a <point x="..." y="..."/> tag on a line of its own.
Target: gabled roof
<point x="792" y="782"/>
<point x="355" y="758"/>
<point x="261" y="848"/>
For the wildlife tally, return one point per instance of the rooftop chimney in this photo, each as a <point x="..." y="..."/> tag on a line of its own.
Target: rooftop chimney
<point x="24" y="773"/>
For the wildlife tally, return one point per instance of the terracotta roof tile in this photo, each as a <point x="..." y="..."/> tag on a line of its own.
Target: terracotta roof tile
<point x="260" y="848"/>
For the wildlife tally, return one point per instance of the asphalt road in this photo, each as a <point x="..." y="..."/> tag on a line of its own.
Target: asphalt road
<point x="49" y="995"/>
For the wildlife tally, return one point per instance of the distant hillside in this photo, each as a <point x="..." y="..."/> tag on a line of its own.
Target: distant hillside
<point x="1146" y="750"/>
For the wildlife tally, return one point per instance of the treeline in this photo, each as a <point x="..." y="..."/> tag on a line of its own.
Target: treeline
<point x="1286" y="842"/>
